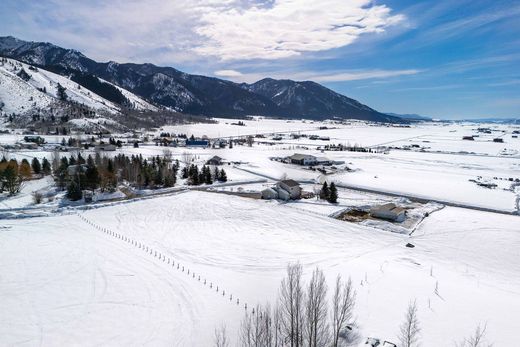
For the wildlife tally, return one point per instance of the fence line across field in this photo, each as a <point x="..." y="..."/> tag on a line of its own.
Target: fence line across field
<point x="140" y="245"/>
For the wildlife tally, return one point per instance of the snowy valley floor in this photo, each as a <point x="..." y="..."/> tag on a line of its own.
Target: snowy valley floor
<point x="64" y="281"/>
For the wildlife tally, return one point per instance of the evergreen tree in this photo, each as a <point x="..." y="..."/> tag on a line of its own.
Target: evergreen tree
<point x="74" y="191"/>
<point x="11" y="181"/>
<point x="223" y="176"/>
<point x="36" y="166"/>
<point x="81" y="160"/>
<point x="333" y="197"/>
<point x="25" y="169"/>
<point x="62" y="95"/>
<point x="185" y="172"/>
<point x="61" y="173"/>
<point x="207" y="175"/>
<point x="92" y="177"/>
<point x="159" y="178"/>
<point x="46" y="166"/>
<point x="325" y="192"/>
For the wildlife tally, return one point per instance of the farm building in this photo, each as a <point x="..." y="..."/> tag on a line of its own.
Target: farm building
<point x="302" y="159"/>
<point x="215" y="160"/>
<point x="389" y="212"/>
<point x="197" y="143"/>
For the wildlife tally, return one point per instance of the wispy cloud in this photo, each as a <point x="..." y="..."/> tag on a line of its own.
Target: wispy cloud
<point x="289" y="27"/>
<point x="328" y="76"/>
<point x="228" y="73"/>
<point x="161" y="30"/>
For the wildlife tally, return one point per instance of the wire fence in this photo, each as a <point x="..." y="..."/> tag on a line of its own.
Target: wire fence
<point x="167" y="260"/>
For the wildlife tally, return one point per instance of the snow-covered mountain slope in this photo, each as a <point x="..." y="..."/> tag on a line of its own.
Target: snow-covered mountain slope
<point x="18" y="96"/>
<point x="42" y="85"/>
<point x="135" y="101"/>
<point x="24" y="88"/>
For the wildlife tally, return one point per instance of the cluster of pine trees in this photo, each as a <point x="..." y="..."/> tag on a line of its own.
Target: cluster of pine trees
<point x="13" y="174"/>
<point x="156" y="172"/>
<point x="76" y="173"/>
<point x="329" y="193"/>
<point x="203" y="176"/>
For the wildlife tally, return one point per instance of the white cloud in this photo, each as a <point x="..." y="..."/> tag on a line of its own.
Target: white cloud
<point x="289" y="27"/>
<point x="330" y="76"/>
<point x="228" y="73"/>
<point x="186" y="30"/>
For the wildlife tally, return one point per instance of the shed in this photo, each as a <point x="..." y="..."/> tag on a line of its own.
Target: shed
<point x="389" y="212"/>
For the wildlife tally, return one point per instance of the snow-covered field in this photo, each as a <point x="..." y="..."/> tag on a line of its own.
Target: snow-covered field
<point x="66" y="282"/>
<point x="92" y="277"/>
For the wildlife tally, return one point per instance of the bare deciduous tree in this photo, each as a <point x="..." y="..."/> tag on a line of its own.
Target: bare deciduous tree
<point x="410" y="329"/>
<point x="291" y="306"/>
<point x="187" y="157"/>
<point x="477" y="339"/>
<point x="259" y="328"/>
<point x="316" y="325"/>
<point x="221" y="339"/>
<point x="343" y="302"/>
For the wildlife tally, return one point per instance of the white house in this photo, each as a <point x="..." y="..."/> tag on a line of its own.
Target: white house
<point x="290" y="186"/>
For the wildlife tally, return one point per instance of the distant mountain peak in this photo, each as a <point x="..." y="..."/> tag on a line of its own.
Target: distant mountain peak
<point x="201" y="95"/>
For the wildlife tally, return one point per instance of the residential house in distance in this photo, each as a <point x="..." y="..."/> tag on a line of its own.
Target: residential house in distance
<point x="302" y="159"/>
<point x="290" y="186"/>
<point x="283" y="190"/>
<point x="389" y="212"/>
<point x="215" y="160"/>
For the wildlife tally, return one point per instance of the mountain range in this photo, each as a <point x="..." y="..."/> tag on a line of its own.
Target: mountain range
<point x="193" y="94"/>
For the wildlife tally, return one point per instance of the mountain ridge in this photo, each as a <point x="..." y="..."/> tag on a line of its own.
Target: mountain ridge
<point x="198" y="94"/>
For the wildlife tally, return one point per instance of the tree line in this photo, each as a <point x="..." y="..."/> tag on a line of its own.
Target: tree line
<point x="76" y="173"/>
<point x="196" y="177"/>
<point x="13" y="174"/>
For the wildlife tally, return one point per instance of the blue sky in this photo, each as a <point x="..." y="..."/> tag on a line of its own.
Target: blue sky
<point x="446" y="59"/>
